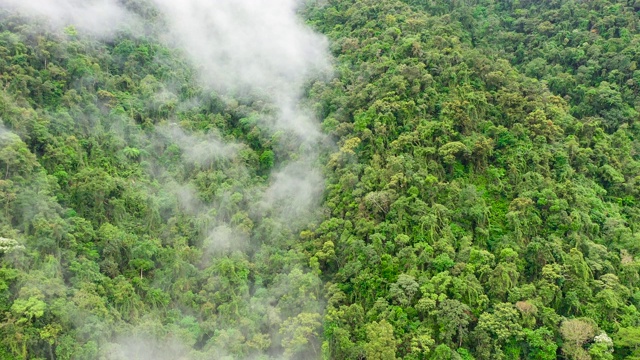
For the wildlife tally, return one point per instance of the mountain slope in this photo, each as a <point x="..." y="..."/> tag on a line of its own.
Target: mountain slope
<point x="481" y="202"/>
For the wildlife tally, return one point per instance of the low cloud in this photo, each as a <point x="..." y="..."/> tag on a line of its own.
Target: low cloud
<point x="247" y="48"/>
<point x="223" y="238"/>
<point x="200" y="149"/>
<point x="261" y="48"/>
<point x="147" y="348"/>
<point x="259" y="45"/>
<point x="97" y="17"/>
<point x="295" y="190"/>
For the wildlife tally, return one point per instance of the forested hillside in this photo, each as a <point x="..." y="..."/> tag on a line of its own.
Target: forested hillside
<point x="474" y="193"/>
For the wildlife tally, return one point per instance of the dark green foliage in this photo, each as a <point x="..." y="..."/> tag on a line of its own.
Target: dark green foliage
<point x="489" y="155"/>
<point x="481" y="203"/>
<point x="114" y="232"/>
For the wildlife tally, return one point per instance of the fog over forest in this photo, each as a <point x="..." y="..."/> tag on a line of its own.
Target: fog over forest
<point x="319" y="179"/>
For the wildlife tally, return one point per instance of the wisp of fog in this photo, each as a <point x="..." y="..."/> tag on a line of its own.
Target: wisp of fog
<point x="250" y="48"/>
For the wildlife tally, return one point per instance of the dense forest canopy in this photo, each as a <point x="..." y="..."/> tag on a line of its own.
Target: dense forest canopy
<point x="348" y="179"/>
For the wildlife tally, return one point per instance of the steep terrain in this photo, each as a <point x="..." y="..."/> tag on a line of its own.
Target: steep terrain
<point x="474" y="193"/>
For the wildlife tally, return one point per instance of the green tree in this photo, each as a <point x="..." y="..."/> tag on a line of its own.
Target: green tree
<point x="381" y="343"/>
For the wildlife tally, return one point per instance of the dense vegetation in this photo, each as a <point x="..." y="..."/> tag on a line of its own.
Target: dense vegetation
<point x="131" y="236"/>
<point x="482" y="202"/>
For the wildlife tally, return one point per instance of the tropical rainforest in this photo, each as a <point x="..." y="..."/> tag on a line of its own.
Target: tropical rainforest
<point x="479" y="193"/>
